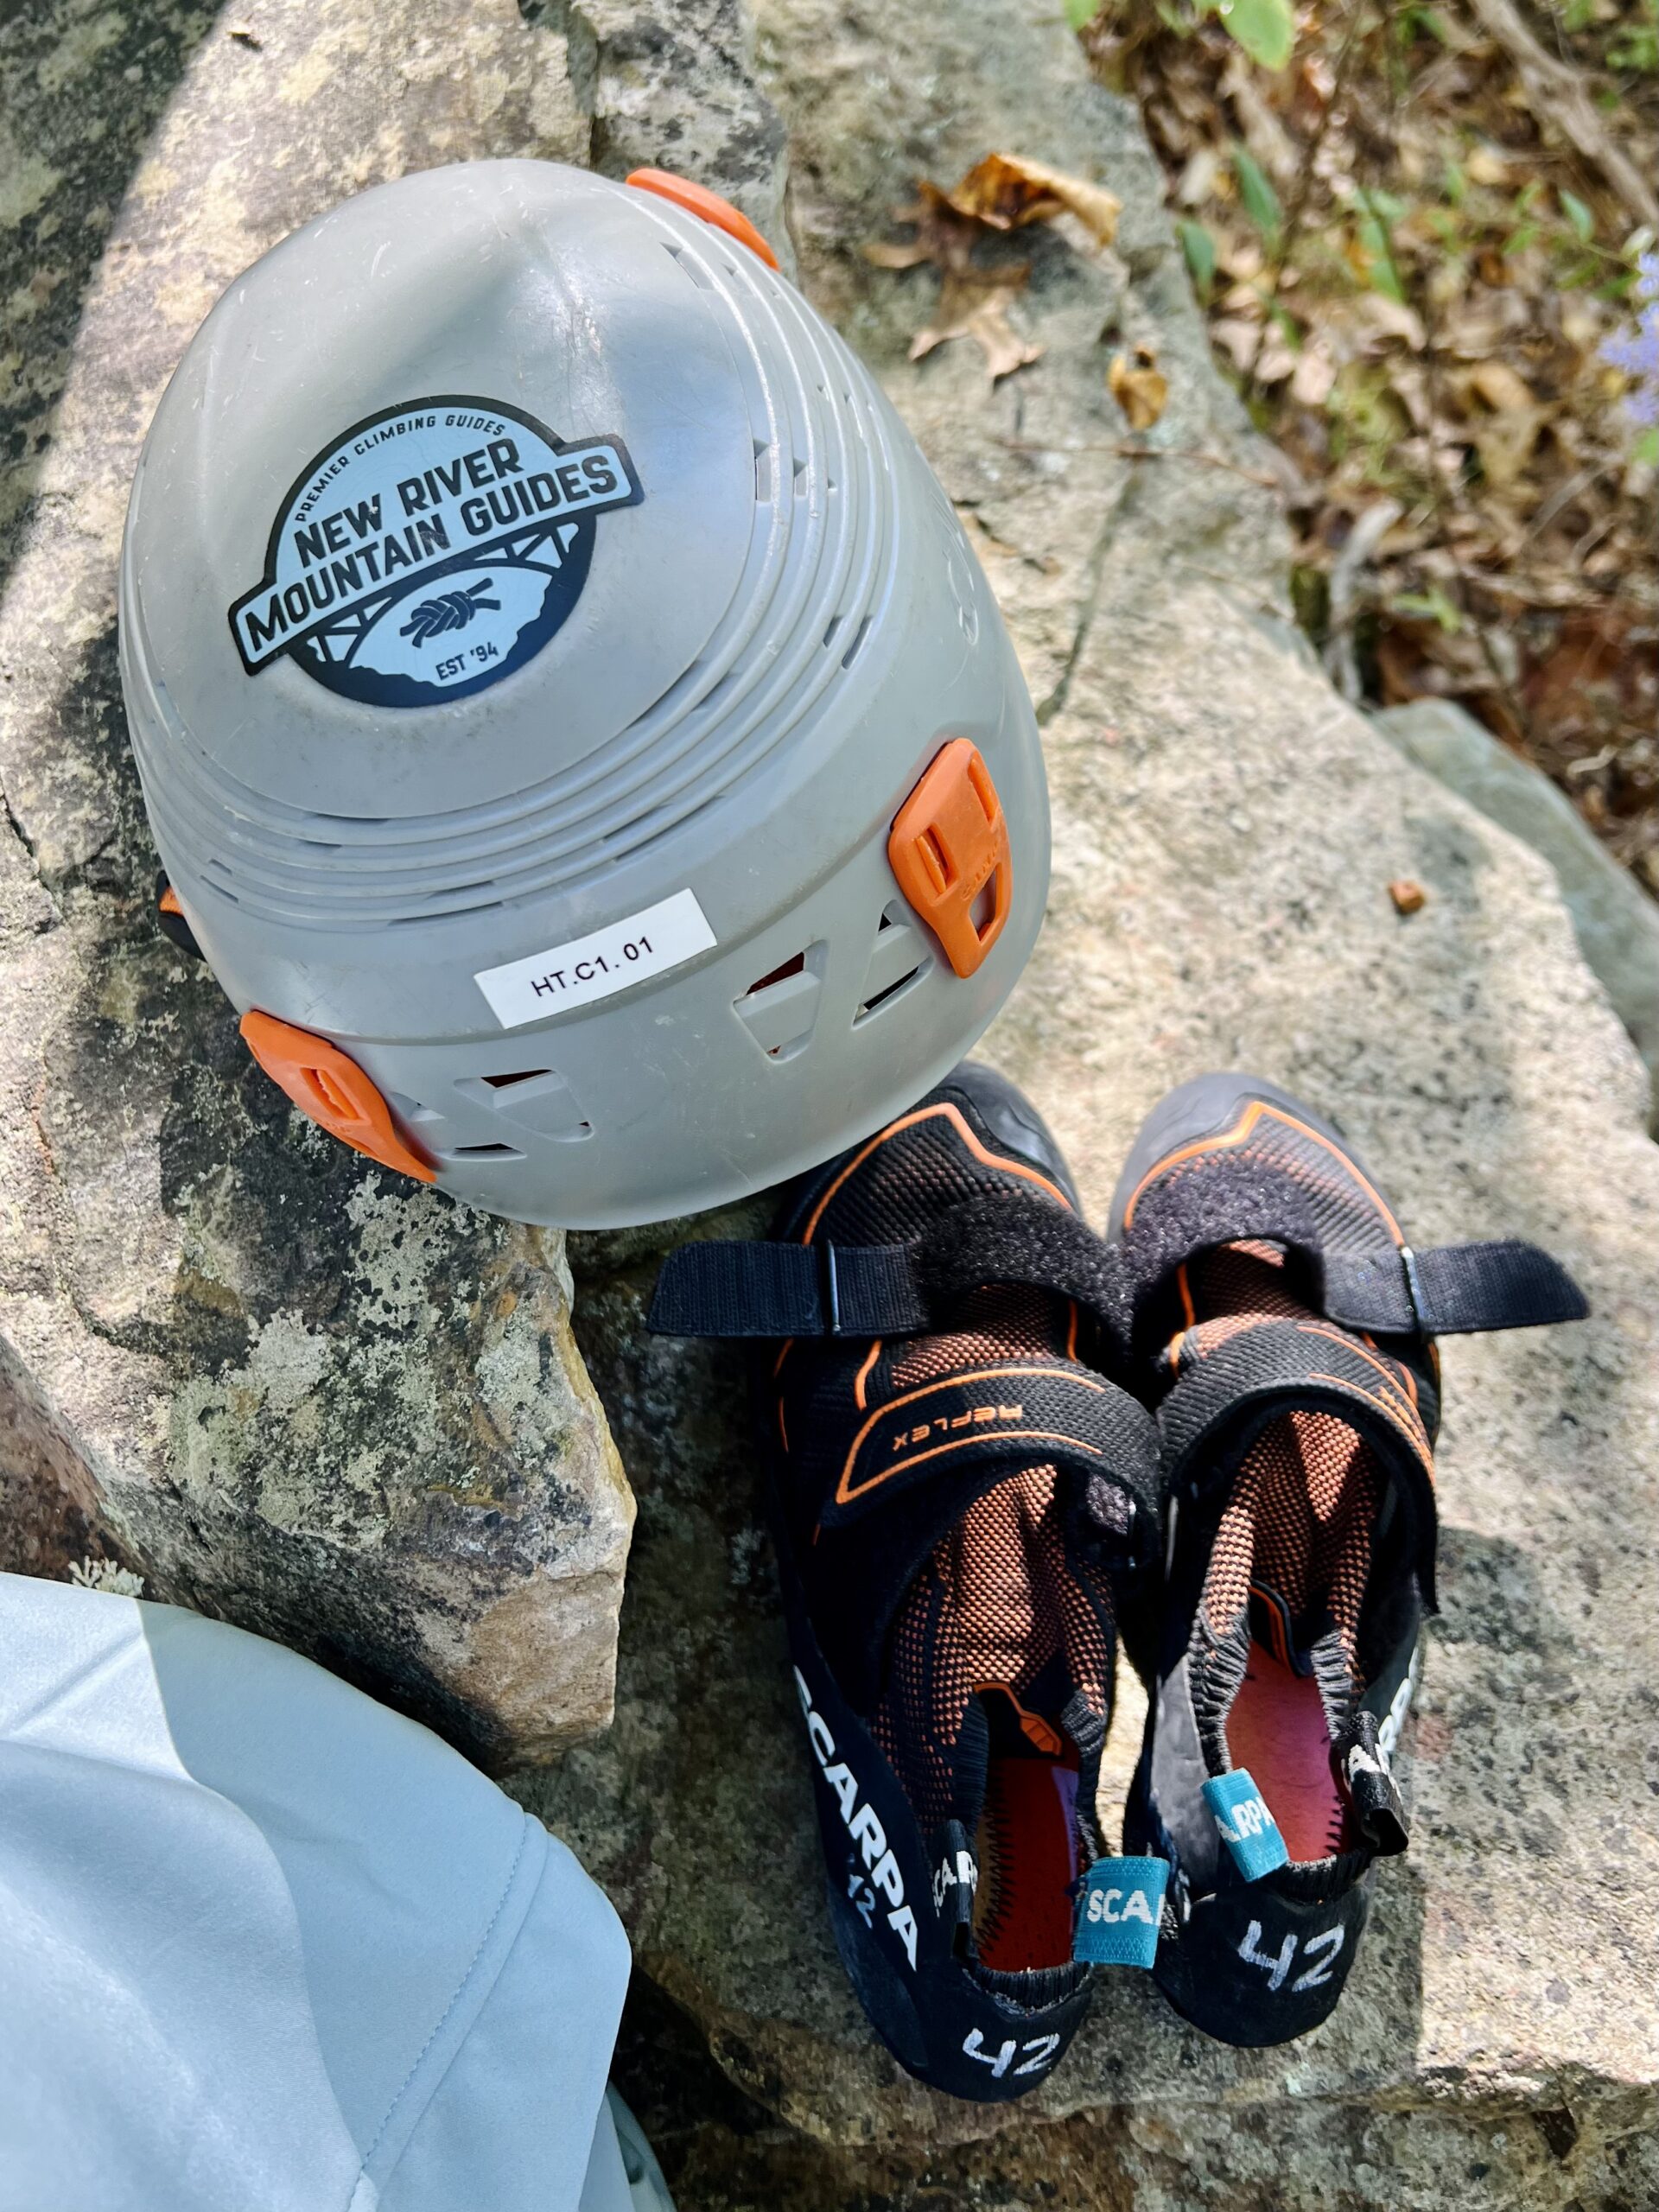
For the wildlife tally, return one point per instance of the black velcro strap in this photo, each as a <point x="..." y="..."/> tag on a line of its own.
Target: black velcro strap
<point x="1014" y="1239"/>
<point x="1453" y="1290"/>
<point x="756" y="1289"/>
<point x="1235" y="1199"/>
<point x="170" y="919"/>
<point x="1461" y="1287"/>
<point x="1020" y="1412"/>
<point x="881" y="1290"/>
<point x="738" y="1290"/>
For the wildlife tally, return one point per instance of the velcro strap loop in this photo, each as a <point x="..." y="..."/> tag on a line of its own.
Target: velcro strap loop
<point x="757" y="1289"/>
<point x="740" y="1290"/>
<point x="1453" y="1290"/>
<point x="1450" y="1290"/>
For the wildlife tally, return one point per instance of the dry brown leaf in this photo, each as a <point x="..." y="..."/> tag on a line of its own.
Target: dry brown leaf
<point x="1237" y="337"/>
<point x="1198" y="178"/>
<point x="1499" y="385"/>
<point x="1244" y="299"/>
<point x="1487" y="165"/>
<point x="1001" y="192"/>
<point x="898" y="256"/>
<point x="944" y="234"/>
<point x="1274" y="362"/>
<point x="1392" y="319"/>
<point x="1314" y="376"/>
<point x="1006" y="191"/>
<point x="1004" y="349"/>
<point x="1139" y="386"/>
<point x="1241" y="259"/>
<point x="1471" y="330"/>
<point x="974" y="304"/>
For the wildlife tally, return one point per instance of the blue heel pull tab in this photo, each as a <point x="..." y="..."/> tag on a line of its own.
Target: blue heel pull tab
<point x="1244" y="1824"/>
<point x="1118" y="1912"/>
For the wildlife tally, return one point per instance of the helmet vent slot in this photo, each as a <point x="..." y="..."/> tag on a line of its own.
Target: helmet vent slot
<point x="411" y="1110"/>
<point x="482" y="1152"/>
<point x="899" y="958"/>
<point x="859" y="636"/>
<point x="778" y="974"/>
<point x="780" y="1009"/>
<point x="536" y="1100"/>
<point x="693" y="268"/>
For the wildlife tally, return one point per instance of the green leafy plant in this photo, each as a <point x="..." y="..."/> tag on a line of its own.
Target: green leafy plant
<point x="1636" y="46"/>
<point x="1378" y="212"/>
<point x="1256" y="195"/>
<point x="1583" y="223"/>
<point x="1199" y="248"/>
<point x="1265" y="28"/>
<point x="1430" y="606"/>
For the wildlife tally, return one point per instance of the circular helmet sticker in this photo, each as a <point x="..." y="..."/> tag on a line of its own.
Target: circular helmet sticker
<point x="430" y="550"/>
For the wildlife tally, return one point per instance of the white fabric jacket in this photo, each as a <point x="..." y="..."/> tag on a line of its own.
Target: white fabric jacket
<point x="267" y="1946"/>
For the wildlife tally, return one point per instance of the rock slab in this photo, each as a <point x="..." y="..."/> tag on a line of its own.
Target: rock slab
<point x="282" y="1385"/>
<point x="236" y="1360"/>
<point x="1617" y="922"/>
<point x="1225" y="833"/>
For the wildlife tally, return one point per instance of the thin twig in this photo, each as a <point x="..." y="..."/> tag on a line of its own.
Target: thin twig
<point x="1563" y="496"/>
<point x="1305" y="183"/>
<point x="1434" y="392"/>
<point x="1557" y="94"/>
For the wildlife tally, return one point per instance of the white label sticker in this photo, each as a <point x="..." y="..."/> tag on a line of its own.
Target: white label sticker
<point x="592" y="967"/>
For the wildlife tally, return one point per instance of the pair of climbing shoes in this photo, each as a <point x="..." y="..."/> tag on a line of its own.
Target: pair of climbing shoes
<point x="997" y="1444"/>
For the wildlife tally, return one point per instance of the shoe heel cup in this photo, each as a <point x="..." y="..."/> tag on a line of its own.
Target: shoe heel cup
<point x="1253" y="1967"/>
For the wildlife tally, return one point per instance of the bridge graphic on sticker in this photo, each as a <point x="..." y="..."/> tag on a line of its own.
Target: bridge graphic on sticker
<point x="430" y="550"/>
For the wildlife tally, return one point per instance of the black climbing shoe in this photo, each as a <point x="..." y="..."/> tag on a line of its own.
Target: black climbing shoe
<point x="171" y="920"/>
<point x="955" y="1487"/>
<point x="1285" y="1331"/>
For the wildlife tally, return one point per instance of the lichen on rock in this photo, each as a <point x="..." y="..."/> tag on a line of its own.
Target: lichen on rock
<point x="279" y="1382"/>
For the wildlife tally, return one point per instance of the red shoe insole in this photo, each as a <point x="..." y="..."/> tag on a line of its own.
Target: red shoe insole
<point x="1277" y="1729"/>
<point x="1029" y="1823"/>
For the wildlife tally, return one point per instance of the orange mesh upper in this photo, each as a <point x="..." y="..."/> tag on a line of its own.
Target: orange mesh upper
<point x="1305" y="1501"/>
<point x="997" y="1602"/>
<point x="1019" y="1326"/>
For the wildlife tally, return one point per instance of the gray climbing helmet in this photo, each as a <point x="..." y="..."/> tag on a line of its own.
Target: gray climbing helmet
<point x="575" y="730"/>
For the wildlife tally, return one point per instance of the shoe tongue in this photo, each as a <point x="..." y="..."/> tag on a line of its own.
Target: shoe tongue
<point x="862" y="1576"/>
<point x="997" y="1726"/>
<point x="1291" y="1641"/>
